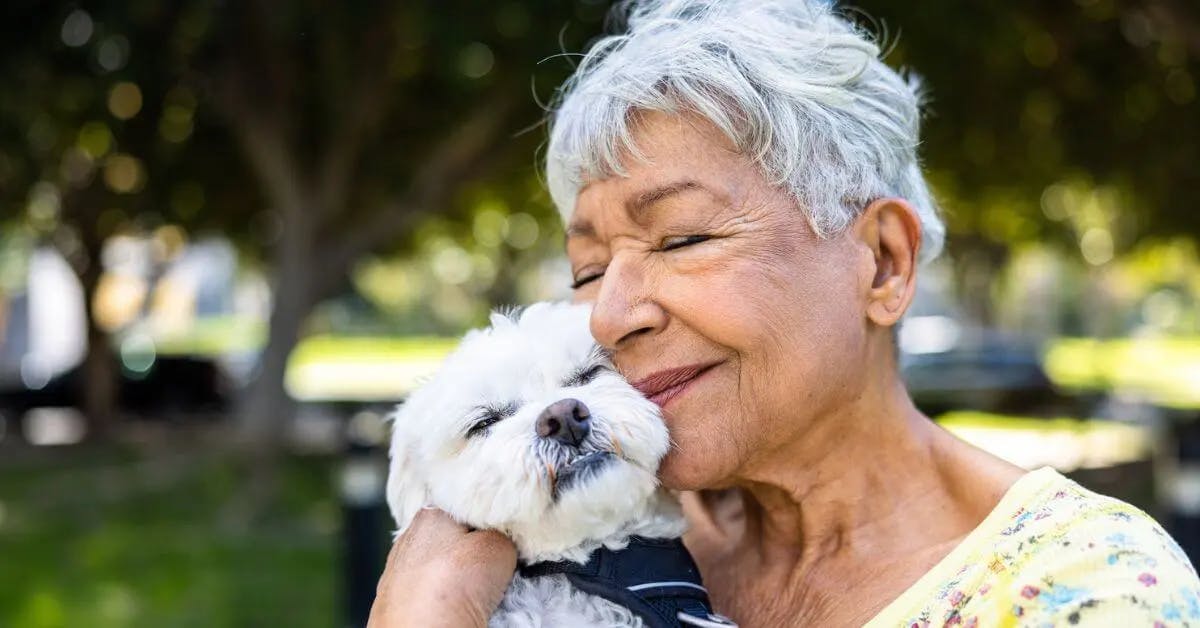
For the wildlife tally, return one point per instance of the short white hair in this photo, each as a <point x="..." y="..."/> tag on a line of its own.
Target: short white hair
<point x="794" y="85"/>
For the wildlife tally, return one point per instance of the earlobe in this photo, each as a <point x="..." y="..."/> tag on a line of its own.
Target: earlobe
<point x="891" y="229"/>
<point x="888" y="302"/>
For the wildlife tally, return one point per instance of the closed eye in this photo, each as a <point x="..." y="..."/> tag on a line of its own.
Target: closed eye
<point x="678" y="242"/>
<point x="583" y="281"/>
<point x="586" y="375"/>
<point x="489" y="416"/>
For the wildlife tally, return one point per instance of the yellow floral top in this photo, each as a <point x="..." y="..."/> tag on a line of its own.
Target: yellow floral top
<point x="1053" y="553"/>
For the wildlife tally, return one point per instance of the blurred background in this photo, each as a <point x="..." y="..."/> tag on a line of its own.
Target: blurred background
<point x="233" y="234"/>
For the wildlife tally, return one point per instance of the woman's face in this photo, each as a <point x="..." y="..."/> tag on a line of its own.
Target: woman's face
<point x="695" y="262"/>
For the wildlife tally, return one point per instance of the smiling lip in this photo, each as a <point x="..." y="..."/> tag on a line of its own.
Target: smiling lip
<point x="665" y="385"/>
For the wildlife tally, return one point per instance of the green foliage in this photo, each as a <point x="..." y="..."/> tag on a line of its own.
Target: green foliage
<point x="114" y="538"/>
<point x="87" y="94"/>
<point x="1159" y="369"/>
<point x="1023" y="96"/>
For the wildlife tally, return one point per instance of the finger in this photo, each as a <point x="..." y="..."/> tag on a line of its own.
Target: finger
<point x="389" y="570"/>
<point x="392" y="556"/>
<point x="698" y="515"/>
<point x="434" y="525"/>
<point x="705" y="529"/>
<point x="495" y="547"/>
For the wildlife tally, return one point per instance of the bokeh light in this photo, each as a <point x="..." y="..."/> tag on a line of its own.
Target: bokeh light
<point x="77" y="28"/>
<point x="124" y="100"/>
<point x="124" y="173"/>
<point x="476" y="60"/>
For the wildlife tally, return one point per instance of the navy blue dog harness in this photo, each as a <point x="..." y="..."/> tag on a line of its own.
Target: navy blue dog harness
<point x="655" y="578"/>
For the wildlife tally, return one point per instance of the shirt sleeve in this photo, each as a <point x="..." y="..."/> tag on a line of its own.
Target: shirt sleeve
<point x="1119" y="568"/>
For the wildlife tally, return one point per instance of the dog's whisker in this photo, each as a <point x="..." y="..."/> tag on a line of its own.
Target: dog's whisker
<point x="625" y="433"/>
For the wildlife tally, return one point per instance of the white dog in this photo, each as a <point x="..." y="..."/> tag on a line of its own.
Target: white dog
<point x="527" y="429"/>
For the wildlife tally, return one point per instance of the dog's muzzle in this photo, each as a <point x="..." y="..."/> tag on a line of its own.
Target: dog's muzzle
<point x="580" y="469"/>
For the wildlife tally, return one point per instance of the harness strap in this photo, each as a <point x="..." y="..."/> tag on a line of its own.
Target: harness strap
<point x="655" y="578"/>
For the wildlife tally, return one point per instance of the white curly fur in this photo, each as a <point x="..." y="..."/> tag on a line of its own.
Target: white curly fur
<point x="500" y="478"/>
<point x="552" y="601"/>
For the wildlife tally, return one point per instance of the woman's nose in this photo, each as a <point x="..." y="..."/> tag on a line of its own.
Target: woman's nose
<point x="625" y="307"/>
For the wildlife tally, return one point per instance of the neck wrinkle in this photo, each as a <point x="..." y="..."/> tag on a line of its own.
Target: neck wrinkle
<point x="861" y="467"/>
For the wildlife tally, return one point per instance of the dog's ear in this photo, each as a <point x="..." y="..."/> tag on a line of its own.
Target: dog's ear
<point x="406" y="491"/>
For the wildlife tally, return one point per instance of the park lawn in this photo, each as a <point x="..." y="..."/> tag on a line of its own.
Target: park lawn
<point x="104" y="537"/>
<point x="1164" y="370"/>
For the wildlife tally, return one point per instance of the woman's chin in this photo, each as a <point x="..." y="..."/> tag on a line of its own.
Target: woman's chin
<point x="686" y="469"/>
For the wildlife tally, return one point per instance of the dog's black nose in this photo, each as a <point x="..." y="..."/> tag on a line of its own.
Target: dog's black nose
<point x="566" y="421"/>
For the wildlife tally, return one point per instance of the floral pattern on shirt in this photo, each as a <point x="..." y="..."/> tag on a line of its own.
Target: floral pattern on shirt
<point x="1055" y="554"/>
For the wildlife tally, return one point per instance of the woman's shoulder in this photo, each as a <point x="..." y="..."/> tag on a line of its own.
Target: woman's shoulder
<point x="1059" y="523"/>
<point x="1070" y="552"/>
<point x="1055" y="553"/>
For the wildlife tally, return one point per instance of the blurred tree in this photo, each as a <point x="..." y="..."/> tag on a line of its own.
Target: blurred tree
<point x="353" y="124"/>
<point x="318" y="133"/>
<point x="1069" y="122"/>
<point x="360" y="120"/>
<point x="81" y="156"/>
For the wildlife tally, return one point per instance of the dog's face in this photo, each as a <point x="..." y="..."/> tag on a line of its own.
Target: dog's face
<point x="527" y="429"/>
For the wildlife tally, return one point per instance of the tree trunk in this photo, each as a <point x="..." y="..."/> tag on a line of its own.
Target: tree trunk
<point x="100" y="382"/>
<point x="976" y="264"/>
<point x="265" y="411"/>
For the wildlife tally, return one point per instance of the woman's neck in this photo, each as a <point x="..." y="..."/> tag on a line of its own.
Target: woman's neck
<point x="878" y="479"/>
<point x="867" y="498"/>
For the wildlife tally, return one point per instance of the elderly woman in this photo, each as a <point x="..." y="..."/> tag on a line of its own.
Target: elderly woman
<point x="745" y="208"/>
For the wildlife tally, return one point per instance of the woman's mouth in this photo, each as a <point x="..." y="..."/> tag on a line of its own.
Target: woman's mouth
<point x="665" y="385"/>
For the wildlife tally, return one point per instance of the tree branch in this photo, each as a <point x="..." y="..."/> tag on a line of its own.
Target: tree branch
<point x="367" y="101"/>
<point x="459" y="158"/>
<point x="267" y="150"/>
<point x="1171" y="14"/>
<point x="249" y="89"/>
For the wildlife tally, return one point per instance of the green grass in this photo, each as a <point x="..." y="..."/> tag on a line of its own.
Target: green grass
<point x="375" y="349"/>
<point x="108" y="537"/>
<point x="1163" y="370"/>
<point x="214" y="336"/>
<point x="362" y="368"/>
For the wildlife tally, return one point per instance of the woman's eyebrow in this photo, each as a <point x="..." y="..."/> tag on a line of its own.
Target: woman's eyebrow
<point x="639" y="204"/>
<point x="576" y="230"/>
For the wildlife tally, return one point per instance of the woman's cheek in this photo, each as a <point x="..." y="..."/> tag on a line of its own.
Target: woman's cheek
<point x="585" y="294"/>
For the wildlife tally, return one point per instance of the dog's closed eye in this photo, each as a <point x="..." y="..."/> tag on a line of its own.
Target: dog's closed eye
<point x="586" y="375"/>
<point x="488" y="416"/>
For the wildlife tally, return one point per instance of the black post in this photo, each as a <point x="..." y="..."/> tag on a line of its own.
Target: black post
<point x="366" y="523"/>
<point x="1184" y="499"/>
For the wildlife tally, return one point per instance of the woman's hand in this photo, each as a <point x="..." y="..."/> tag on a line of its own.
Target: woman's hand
<point x="439" y="574"/>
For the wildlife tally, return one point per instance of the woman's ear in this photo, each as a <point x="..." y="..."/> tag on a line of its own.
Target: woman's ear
<point x="891" y="229"/>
